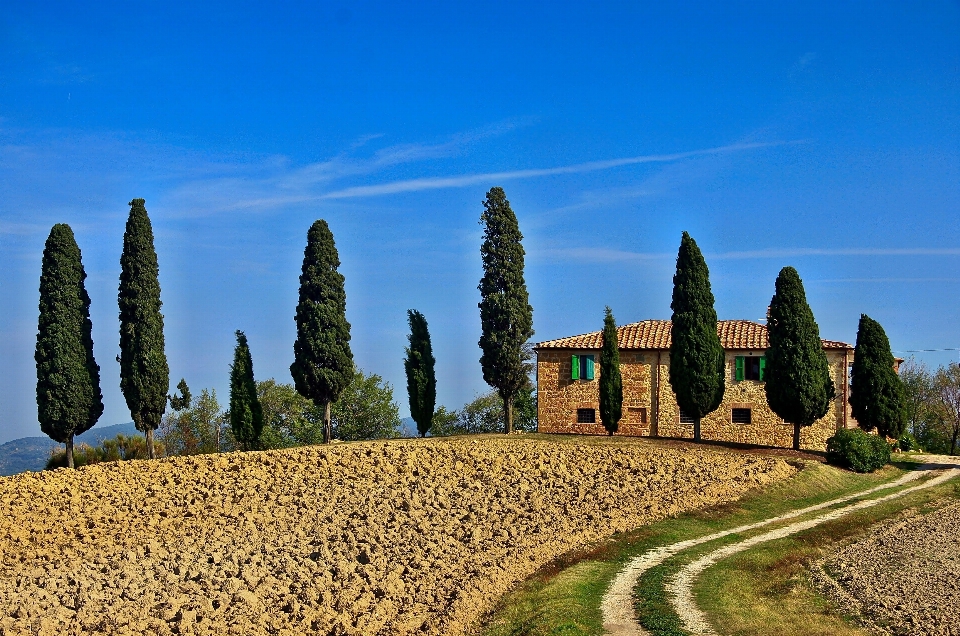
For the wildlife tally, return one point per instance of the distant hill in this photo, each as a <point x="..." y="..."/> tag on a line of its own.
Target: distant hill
<point x="408" y="428"/>
<point x="31" y="453"/>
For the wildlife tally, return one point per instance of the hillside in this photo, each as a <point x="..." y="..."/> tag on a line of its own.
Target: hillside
<point x="31" y="453"/>
<point x="390" y="537"/>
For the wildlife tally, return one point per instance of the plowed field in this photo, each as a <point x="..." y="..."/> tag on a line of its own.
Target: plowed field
<point x="407" y="536"/>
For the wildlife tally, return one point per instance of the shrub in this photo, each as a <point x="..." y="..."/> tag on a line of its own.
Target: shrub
<point x="122" y="448"/>
<point x="908" y="442"/>
<point x="858" y="451"/>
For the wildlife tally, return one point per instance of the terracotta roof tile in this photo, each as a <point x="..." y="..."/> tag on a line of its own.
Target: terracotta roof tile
<point x="655" y="334"/>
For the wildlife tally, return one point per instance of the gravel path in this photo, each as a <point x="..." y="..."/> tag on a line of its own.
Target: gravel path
<point x="619" y="618"/>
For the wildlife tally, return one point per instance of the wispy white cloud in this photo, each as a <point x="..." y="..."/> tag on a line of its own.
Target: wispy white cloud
<point x="611" y="255"/>
<point x="849" y="251"/>
<point x="460" y="181"/>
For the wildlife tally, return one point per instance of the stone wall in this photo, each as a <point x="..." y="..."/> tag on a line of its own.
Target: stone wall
<point x="650" y="407"/>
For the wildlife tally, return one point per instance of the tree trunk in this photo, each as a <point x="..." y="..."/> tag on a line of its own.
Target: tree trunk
<point x="327" y="428"/>
<point x="696" y="430"/>
<point x="953" y="442"/>
<point x="70" y="451"/>
<point x="796" y="436"/>
<point x="149" y="435"/>
<point x="508" y="412"/>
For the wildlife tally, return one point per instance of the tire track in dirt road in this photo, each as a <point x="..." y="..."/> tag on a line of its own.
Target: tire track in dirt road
<point x="619" y="618"/>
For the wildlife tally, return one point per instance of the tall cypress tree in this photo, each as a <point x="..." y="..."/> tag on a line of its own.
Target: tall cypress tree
<point x="506" y="317"/>
<point x="877" y="395"/>
<point x="246" y="414"/>
<point x="421" y="377"/>
<point x="697" y="368"/>
<point x="611" y="382"/>
<point x="797" y="375"/>
<point x="323" y="363"/>
<point x="69" y="400"/>
<point x="144" y="374"/>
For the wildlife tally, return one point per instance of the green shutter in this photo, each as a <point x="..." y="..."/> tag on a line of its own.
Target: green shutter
<point x="589" y="368"/>
<point x="575" y="368"/>
<point x="763" y="367"/>
<point x="739" y="364"/>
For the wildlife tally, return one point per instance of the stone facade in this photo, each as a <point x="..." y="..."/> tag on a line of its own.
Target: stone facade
<point x="650" y="407"/>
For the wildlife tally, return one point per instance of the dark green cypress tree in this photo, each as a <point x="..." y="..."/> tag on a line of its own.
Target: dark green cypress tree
<point x="181" y="402"/>
<point x="697" y="368"/>
<point x="323" y="363"/>
<point x="69" y="400"/>
<point x="144" y="374"/>
<point x="797" y="375"/>
<point x="611" y="382"/>
<point x="421" y="377"/>
<point x="877" y="395"/>
<point x="506" y="317"/>
<point x="246" y="413"/>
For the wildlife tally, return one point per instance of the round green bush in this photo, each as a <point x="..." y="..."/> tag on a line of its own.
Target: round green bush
<point x="908" y="442"/>
<point x="853" y="449"/>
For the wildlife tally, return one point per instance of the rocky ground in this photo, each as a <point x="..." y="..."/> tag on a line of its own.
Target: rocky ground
<point x="406" y="536"/>
<point x="906" y="576"/>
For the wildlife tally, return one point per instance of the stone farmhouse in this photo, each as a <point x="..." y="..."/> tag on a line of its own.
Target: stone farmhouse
<point x="568" y="397"/>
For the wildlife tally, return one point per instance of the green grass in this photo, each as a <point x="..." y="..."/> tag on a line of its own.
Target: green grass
<point x="767" y="590"/>
<point x="564" y="597"/>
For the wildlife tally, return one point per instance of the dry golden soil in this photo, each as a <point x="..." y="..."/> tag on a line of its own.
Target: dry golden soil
<point x="405" y="536"/>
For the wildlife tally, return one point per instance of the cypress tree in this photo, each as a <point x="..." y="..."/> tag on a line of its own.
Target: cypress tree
<point x="144" y="374"/>
<point x="506" y="317"/>
<point x="611" y="382"/>
<point x="877" y="396"/>
<point x="421" y="378"/>
<point x="697" y="368"/>
<point x="181" y="402"/>
<point x="246" y="414"/>
<point x="323" y="363"/>
<point x="797" y="375"/>
<point x="69" y="400"/>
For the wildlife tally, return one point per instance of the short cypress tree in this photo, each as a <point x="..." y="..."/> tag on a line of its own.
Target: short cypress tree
<point x="246" y="414"/>
<point x="697" y="368"/>
<point x="144" y="374"/>
<point x="797" y="375"/>
<point x="421" y="377"/>
<point x="877" y="396"/>
<point x="611" y="382"/>
<point x="69" y="400"/>
<point x="506" y="317"/>
<point x="323" y="363"/>
<point x="181" y="402"/>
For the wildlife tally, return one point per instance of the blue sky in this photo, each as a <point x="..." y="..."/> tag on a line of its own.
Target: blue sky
<point x="819" y="135"/>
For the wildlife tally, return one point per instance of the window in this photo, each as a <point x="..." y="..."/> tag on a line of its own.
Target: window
<point x="586" y="416"/>
<point x="581" y="368"/>
<point x="686" y="419"/>
<point x="636" y="415"/>
<point x="741" y="416"/>
<point x="749" y="368"/>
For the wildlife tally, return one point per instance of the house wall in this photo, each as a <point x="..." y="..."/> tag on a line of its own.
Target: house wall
<point x="559" y="397"/>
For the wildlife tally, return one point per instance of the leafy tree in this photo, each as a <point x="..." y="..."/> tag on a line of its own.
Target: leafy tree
<point x="946" y="385"/>
<point x="421" y="378"/>
<point x="289" y="419"/>
<point x="797" y="375"/>
<point x="246" y="414"/>
<point x="923" y="407"/>
<point x="611" y="383"/>
<point x="366" y="410"/>
<point x="197" y="428"/>
<point x="182" y="401"/>
<point x="323" y="363"/>
<point x="484" y="414"/>
<point x="506" y="317"/>
<point x="69" y="400"/>
<point x="525" y="410"/>
<point x="444" y="423"/>
<point x="877" y="397"/>
<point x="144" y="374"/>
<point x="697" y="368"/>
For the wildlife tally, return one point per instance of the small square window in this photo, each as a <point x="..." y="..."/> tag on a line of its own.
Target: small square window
<point x="637" y="415"/>
<point x="586" y="416"/>
<point x="686" y="419"/>
<point x="741" y="416"/>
